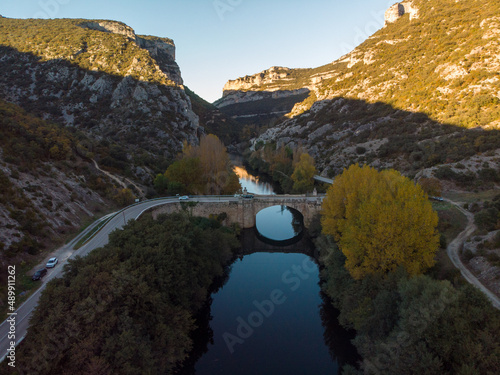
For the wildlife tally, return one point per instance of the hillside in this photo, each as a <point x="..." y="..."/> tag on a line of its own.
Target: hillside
<point x="421" y="92"/>
<point x="49" y="187"/>
<point x="438" y="51"/>
<point x="103" y="79"/>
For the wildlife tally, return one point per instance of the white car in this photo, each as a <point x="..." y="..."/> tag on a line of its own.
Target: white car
<point x="183" y="198"/>
<point x="51" y="263"/>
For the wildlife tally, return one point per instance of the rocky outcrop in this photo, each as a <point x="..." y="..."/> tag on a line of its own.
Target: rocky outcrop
<point x="271" y="78"/>
<point x="135" y="99"/>
<point x="398" y="10"/>
<point x="162" y="50"/>
<point x="232" y="97"/>
<point x="111" y="27"/>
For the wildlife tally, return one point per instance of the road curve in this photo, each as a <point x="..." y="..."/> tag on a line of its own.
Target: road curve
<point x="117" y="221"/>
<point x="23" y="312"/>
<point x="453" y="253"/>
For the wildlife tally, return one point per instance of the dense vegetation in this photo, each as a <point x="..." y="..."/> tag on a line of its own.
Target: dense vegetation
<point x="128" y="308"/>
<point x="406" y="322"/>
<point x="413" y="325"/>
<point x="73" y="41"/>
<point x="291" y="170"/>
<point x="381" y="221"/>
<point x="202" y="169"/>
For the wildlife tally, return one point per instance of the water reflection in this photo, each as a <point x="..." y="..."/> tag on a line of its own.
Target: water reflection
<point x="279" y="223"/>
<point x="300" y="336"/>
<point x="252" y="183"/>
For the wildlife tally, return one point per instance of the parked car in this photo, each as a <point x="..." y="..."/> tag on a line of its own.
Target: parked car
<point x="39" y="274"/>
<point x="248" y="196"/>
<point x="52" y="262"/>
<point x="183" y="198"/>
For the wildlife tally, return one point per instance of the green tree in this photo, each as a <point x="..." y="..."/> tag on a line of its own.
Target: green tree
<point x="187" y="173"/>
<point x="303" y="174"/>
<point x="381" y="220"/>
<point x="160" y="183"/>
<point x="124" y="197"/>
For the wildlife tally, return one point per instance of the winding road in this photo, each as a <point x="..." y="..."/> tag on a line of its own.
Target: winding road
<point x="453" y="251"/>
<point x="117" y="220"/>
<point x="110" y="222"/>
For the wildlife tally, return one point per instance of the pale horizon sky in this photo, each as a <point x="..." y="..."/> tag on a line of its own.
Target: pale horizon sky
<point x="218" y="40"/>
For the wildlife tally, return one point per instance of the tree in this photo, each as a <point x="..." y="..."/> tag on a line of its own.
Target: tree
<point x="381" y="220"/>
<point x="160" y="183"/>
<point x="431" y="186"/>
<point x="303" y="174"/>
<point x="124" y="197"/>
<point x="186" y="174"/>
<point x="205" y="168"/>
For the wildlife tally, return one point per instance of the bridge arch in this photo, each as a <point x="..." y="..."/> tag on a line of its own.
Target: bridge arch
<point x="279" y="223"/>
<point x="243" y="211"/>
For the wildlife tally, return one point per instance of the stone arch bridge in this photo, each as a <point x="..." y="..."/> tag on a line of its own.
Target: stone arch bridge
<point x="243" y="210"/>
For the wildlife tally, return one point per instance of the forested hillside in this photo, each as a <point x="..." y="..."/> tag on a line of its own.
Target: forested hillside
<point x="103" y="79"/>
<point x="49" y="185"/>
<point x="129" y="308"/>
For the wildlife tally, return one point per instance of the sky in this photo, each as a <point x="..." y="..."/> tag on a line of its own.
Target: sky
<point x="219" y="40"/>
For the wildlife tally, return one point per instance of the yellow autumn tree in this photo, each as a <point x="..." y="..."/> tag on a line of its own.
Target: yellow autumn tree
<point x="380" y="220"/>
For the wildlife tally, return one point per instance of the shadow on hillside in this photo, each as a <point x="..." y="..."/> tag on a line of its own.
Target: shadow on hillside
<point x="412" y="140"/>
<point x="135" y="115"/>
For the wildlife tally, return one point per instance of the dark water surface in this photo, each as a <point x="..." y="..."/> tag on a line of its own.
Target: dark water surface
<point x="268" y="315"/>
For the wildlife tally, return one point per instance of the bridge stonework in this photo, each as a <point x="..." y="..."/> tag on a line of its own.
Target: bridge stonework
<point x="244" y="211"/>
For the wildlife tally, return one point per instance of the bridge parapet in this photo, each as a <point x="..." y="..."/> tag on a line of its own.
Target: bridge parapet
<point x="244" y="211"/>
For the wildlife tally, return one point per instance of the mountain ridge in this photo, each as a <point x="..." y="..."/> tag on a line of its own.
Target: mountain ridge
<point x="110" y="83"/>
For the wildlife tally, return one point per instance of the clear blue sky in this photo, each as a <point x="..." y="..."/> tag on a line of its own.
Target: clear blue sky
<point x="218" y="40"/>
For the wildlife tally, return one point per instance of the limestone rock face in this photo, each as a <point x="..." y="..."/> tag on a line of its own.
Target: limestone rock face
<point x="398" y="10"/>
<point x="141" y="104"/>
<point x="394" y="13"/>
<point x="160" y="49"/>
<point x="267" y="77"/>
<point x="111" y="27"/>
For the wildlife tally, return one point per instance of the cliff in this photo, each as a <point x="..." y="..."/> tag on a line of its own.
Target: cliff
<point x="425" y="83"/>
<point x="101" y="78"/>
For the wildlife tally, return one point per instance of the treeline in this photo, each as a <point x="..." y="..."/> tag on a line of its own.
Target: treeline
<point x="129" y="307"/>
<point x="292" y="170"/>
<point x="202" y="169"/>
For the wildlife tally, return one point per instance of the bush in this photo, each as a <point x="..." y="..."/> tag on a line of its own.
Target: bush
<point x="487" y="219"/>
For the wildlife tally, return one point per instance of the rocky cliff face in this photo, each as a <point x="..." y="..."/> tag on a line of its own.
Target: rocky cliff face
<point x="388" y="101"/>
<point x="102" y="78"/>
<point x="398" y="10"/>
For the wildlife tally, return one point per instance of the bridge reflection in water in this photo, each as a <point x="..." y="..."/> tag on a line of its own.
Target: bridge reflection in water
<point x="253" y="242"/>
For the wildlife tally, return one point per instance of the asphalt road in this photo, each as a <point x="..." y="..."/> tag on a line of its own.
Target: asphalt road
<point x="23" y="312"/>
<point x="117" y="221"/>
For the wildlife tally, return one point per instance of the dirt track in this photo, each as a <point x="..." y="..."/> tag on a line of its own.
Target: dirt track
<point x="453" y="253"/>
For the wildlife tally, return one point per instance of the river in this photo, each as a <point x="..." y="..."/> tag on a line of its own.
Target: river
<point x="268" y="315"/>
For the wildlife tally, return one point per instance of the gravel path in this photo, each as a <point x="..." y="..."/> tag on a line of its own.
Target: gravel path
<point x="453" y="252"/>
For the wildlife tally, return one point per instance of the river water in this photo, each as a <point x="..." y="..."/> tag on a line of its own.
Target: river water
<point x="268" y="315"/>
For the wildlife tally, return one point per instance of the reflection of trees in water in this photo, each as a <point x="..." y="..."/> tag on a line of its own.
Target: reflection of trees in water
<point x="203" y="335"/>
<point x="297" y="220"/>
<point x="336" y="338"/>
